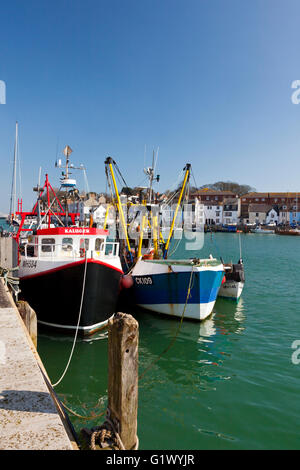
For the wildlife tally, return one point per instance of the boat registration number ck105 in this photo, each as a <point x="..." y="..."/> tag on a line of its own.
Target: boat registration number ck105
<point x="143" y="280"/>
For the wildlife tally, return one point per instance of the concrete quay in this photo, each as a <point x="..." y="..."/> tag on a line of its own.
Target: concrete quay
<point x="31" y="418"/>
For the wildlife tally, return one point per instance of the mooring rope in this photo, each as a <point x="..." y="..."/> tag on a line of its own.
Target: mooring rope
<point x="12" y="281"/>
<point x="77" y="327"/>
<point x="107" y="431"/>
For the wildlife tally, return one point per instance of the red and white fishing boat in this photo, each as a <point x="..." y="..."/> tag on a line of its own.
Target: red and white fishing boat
<point x="70" y="275"/>
<point x="70" y="271"/>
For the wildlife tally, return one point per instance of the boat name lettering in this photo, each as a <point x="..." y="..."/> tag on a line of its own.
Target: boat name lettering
<point x="145" y="280"/>
<point x="29" y="263"/>
<point x="79" y="230"/>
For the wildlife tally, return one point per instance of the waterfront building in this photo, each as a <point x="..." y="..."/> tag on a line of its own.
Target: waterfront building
<point x="231" y="211"/>
<point x="272" y="215"/>
<point x="258" y="213"/>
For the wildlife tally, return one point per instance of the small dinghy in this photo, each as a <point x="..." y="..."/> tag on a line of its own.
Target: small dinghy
<point x="233" y="285"/>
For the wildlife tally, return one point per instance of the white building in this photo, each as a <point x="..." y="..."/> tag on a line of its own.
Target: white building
<point x="272" y="216"/>
<point x="231" y="211"/>
<point x="213" y="213"/>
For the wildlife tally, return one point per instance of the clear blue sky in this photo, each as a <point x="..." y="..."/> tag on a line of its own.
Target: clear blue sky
<point x="209" y="82"/>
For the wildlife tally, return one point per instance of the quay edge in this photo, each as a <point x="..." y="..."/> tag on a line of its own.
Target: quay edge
<point x="31" y="417"/>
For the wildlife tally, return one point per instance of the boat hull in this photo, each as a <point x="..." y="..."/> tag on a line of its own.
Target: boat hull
<point x="56" y="294"/>
<point x="166" y="291"/>
<point x="231" y="290"/>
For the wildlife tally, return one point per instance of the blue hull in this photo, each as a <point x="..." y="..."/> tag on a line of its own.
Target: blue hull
<point x="167" y="292"/>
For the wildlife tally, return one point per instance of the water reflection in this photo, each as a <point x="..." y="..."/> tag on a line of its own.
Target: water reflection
<point x="197" y="361"/>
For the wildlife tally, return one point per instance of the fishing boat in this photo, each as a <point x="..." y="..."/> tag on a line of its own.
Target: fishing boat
<point x="187" y="288"/>
<point x="70" y="275"/>
<point x="234" y="281"/>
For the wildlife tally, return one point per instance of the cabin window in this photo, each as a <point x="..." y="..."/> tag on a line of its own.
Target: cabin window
<point x="98" y="243"/>
<point x="84" y="243"/>
<point x="67" y="244"/>
<point x="48" y="245"/>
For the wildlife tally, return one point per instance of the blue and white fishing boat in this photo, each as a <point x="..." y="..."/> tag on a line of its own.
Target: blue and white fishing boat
<point x="178" y="287"/>
<point x="186" y="288"/>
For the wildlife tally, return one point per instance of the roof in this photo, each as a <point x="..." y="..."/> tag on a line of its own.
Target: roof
<point x="271" y="195"/>
<point x="211" y="203"/>
<point x="259" y="208"/>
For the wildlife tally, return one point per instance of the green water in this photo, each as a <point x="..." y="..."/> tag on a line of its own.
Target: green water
<point x="227" y="383"/>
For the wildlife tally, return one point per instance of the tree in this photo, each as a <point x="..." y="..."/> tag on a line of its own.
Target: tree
<point x="236" y="188"/>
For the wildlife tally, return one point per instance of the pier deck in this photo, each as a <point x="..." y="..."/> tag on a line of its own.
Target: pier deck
<point x="29" y="418"/>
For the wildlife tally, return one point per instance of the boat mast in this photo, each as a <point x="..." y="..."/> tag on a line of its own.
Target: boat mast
<point x="13" y="197"/>
<point x="186" y="178"/>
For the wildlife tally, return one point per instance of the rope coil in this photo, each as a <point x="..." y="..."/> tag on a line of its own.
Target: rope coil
<point x="106" y="435"/>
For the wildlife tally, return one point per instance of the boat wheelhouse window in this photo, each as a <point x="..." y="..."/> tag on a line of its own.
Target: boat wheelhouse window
<point x="48" y="245"/>
<point x="84" y="243"/>
<point x="98" y="243"/>
<point x="67" y="244"/>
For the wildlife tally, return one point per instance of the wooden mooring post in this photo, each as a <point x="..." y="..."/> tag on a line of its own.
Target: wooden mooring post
<point x="120" y="427"/>
<point x="28" y="316"/>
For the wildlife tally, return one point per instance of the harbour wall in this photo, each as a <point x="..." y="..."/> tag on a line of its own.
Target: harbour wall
<point x="31" y="416"/>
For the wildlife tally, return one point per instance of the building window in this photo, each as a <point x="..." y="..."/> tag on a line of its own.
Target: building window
<point x="257" y="199"/>
<point x="207" y="198"/>
<point x="262" y="198"/>
<point x="217" y="213"/>
<point x="217" y="221"/>
<point x="257" y="214"/>
<point x="276" y="199"/>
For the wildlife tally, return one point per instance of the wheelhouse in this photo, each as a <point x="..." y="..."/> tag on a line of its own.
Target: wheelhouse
<point x="70" y="242"/>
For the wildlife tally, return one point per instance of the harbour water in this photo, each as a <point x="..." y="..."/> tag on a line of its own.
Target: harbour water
<point x="227" y="383"/>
